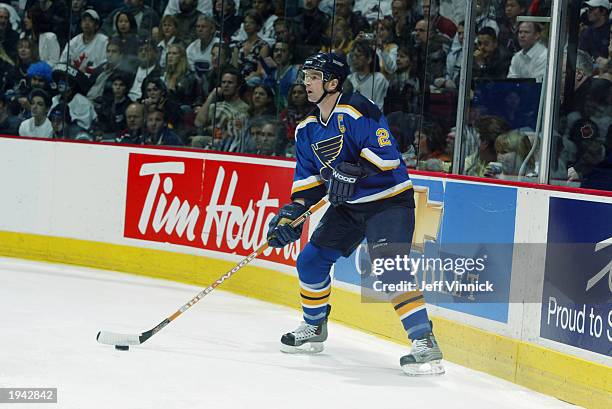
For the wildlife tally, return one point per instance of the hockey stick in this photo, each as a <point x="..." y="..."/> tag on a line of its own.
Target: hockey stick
<point x="124" y="340"/>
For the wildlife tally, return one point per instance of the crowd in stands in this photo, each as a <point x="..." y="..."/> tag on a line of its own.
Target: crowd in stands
<point x="225" y="75"/>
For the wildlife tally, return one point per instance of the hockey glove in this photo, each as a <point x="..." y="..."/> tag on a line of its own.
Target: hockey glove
<point x="342" y="182"/>
<point x="280" y="233"/>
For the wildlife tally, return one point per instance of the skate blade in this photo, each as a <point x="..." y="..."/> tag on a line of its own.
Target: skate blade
<point x="307" y="348"/>
<point x="424" y="369"/>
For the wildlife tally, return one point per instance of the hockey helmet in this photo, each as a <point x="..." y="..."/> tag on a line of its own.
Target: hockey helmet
<point x="333" y="66"/>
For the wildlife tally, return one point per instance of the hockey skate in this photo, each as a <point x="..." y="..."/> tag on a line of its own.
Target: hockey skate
<point x="424" y="357"/>
<point x="306" y="338"/>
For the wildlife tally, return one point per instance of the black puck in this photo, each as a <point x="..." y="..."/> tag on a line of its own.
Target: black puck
<point x="122" y="347"/>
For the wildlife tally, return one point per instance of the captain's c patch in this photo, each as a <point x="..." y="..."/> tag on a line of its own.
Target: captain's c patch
<point x="383" y="137"/>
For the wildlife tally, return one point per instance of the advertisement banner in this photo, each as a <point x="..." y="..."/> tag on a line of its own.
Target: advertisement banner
<point x="208" y="204"/>
<point x="477" y="227"/>
<point x="577" y="293"/>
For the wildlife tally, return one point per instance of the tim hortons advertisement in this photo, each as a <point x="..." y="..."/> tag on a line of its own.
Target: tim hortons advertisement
<point x="208" y="204"/>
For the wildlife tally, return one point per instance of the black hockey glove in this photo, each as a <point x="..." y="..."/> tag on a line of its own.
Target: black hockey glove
<point x="342" y="182"/>
<point x="280" y="233"/>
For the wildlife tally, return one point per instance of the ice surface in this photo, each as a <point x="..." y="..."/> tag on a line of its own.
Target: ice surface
<point x="222" y="353"/>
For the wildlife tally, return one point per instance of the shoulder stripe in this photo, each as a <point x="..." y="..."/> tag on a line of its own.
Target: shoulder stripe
<point x="377" y="161"/>
<point x="349" y="110"/>
<point x="305" y="184"/>
<point x="305" y="122"/>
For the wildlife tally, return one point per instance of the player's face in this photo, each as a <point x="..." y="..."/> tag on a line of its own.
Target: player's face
<point x="313" y="81"/>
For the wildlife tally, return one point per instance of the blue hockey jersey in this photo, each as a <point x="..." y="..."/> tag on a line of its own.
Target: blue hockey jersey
<point x="355" y="132"/>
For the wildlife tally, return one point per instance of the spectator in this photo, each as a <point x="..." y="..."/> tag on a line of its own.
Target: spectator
<point x="186" y="18"/>
<point x="146" y="18"/>
<point x="39" y="76"/>
<point x="430" y="51"/>
<point x="199" y="50"/>
<point x="38" y="126"/>
<point x="298" y="108"/>
<point x="404" y="85"/>
<point x="38" y="28"/>
<point x="485" y="16"/>
<point x="134" y="132"/>
<point x="405" y="18"/>
<point x="115" y="62"/>
<point x="175" y="7"/>
<point x="77" y="7"/>
<point x="246" y="54"/>
<point x="531" y="61"/>
<point x="452" y="71"/>
<point x="26" y="55"/>
<point x="181" y="83"/>
<point x="595" y="39"/>
<point x="9" y="124"/>
<point x="87" y="50"/>
<point x="512" y="149"/>
<point x="220" y="59"/>
<point x="155" y="95"/>
<point x="126" y="29"/>
<point x="356" y="22"/>
<point x="431" y="13"/>
<point x="488" y="128"/>
<point x="224" y="113"/>
<point x="340" y="41"/>
<point x="311" y="24"/>
<point x="280" y="74"/>
<point x="169" y="28"/>
<point x="226" y="18"/>
<point x="386" y="47"/>
<point x="157" y="131"/>
<point x="63" y="126"/>
<point x="56" y="13"/>
<point x="589" y="128"/>
<point x="508" y="31"/>
<point x="490" y="59"/>
<point x="8" y="36"/>
<point x="283" y="31"/>
<point x="111" y="109"/>
<point x="147" y="67"/>
<point x="583" y="80"/>
<point x="432" y="153"/>
<point x="70" y="83"/>
<point x="373" y="10"/>
<point x="267" y="140"/>
<point x="262" y="102"/>
<point x="372" y="85"/>
<point x="264" y="9"/>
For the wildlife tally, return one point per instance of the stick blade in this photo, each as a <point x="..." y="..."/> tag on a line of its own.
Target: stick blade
<point x="114" y="338"/>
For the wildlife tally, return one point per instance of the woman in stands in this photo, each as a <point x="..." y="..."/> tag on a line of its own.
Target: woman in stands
<point x="38" y="28"/>
<point x="126" y="28"/>
<point x="169" y="28"/>
<point x="181" y="82"/>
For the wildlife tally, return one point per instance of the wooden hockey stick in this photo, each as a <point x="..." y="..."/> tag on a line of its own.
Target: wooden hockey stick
<point x="124" y="340"/>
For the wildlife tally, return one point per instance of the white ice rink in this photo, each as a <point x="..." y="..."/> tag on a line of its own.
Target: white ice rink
<point x="222" y="353"/>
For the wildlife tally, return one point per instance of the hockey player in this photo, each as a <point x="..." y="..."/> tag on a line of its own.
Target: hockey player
<point x="344" y="149"/>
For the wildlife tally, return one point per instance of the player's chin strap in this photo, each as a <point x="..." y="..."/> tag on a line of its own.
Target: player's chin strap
<point x="325" y="92"/>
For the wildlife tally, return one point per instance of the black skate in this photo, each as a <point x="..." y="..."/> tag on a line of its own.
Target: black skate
<point x="306" y="338"/>
<point x="424" y="357"/>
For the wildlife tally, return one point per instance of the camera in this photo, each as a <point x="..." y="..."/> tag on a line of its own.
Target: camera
<point x="368" y="36"/>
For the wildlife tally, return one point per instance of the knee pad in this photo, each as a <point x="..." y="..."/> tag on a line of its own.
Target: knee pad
<point x="313" y="263"/>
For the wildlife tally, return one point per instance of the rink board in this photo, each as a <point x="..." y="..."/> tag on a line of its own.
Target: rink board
<point x="100" y="206"/>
